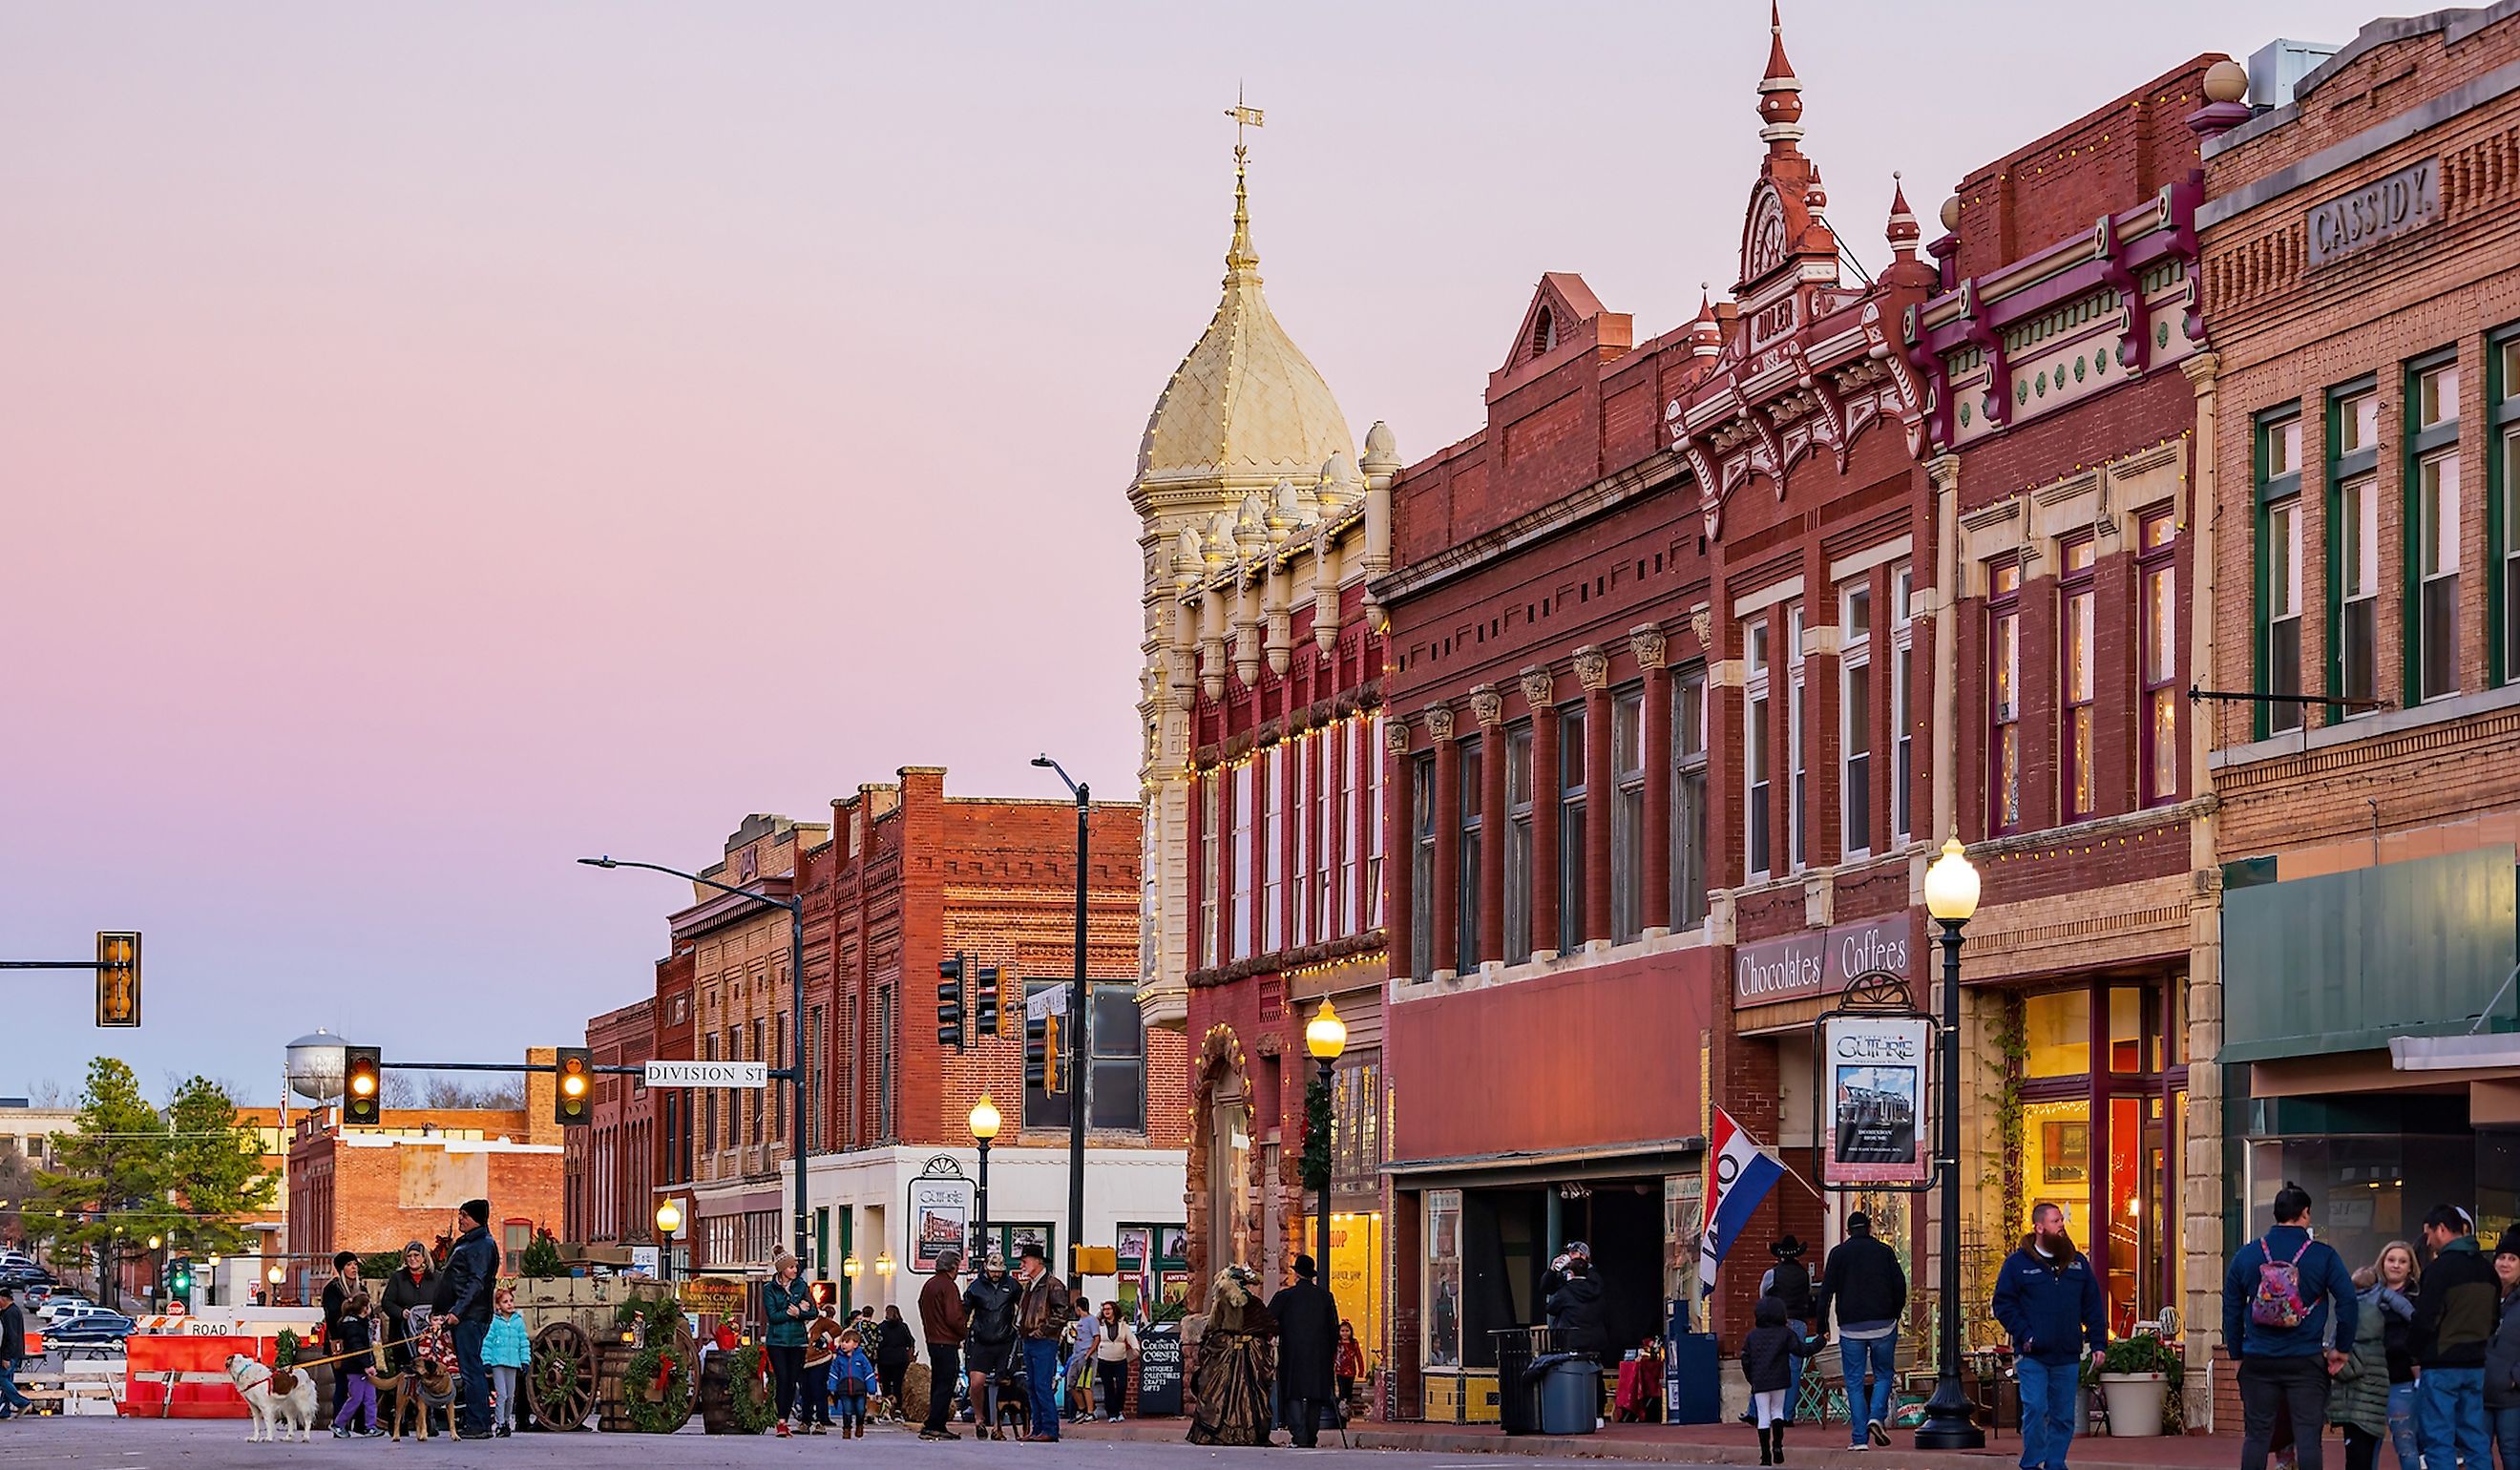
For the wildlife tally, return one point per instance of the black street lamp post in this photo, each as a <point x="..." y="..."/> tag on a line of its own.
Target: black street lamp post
<point x="1078" y="1019"/>
<point x="1950" y="896"/>
<point x="794" y="1075"/>
<point x="1326" y="1036"/>
<point x="985" y="1131"/>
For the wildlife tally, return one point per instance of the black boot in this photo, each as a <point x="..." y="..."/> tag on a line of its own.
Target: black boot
<point x="1779" y="1433"/>
<point x="1767" y="1450"/>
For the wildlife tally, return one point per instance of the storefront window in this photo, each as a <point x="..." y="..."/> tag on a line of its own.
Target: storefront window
<point x="1443" y="1278"/>
<point x="2056" y="1162"/>
<point x="1684" y="1218"/>
<point x="2057" y="1028"/>
<point x="2128" y="1045"/>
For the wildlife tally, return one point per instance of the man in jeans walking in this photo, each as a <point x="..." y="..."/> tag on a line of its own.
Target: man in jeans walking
<point x="942" y="1318"/>
<point x="1868" y="1289"/>
<point x="2276" y="1300"/>
<point x="2048" y="1300"/>
<point x="2455" y="1319"/>
<point x="1042" y="1317"/>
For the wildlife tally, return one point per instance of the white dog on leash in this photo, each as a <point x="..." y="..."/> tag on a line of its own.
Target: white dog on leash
<point x="274" y="1412"/>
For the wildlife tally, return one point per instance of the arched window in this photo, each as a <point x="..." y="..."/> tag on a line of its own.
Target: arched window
<point x="1544" y="332"/>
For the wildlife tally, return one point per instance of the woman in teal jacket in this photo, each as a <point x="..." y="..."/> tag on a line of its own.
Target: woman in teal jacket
<point x="788" y="1304"/>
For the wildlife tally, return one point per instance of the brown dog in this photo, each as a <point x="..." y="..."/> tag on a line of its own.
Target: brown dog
<point x="418" y="1392"/>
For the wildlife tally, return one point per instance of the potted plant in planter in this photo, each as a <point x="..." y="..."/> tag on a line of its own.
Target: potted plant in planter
<point x="2135" y="1375"/>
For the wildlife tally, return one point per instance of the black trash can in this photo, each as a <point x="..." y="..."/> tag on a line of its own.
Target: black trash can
<point x="1570" y="1394"/>
<point x="1517" y="1388"/>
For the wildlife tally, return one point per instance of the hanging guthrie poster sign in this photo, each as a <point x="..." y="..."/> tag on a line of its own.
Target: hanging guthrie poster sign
<point x="1872" y="1072"/>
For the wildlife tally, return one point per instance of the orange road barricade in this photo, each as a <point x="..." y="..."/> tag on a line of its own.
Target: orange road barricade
<point x="169" y="1377"/>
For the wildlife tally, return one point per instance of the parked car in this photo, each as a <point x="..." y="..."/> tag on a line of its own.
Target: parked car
<point x="61" y="1308"/>
<point x="92" y="1328"/>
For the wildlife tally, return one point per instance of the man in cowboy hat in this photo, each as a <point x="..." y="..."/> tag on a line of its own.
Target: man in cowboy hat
<point x="1789" y="1281"/>
<point x="1042" y="1314"/>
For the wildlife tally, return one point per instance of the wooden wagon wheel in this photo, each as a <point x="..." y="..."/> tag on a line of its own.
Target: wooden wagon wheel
<point x="560" y="1384"/>
<point x="686" y="1350"/>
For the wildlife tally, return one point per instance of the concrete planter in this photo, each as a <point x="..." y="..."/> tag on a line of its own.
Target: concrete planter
<point x="2134" y="1402"/>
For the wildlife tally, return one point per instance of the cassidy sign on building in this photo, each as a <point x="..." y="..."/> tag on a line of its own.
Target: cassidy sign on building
<point x="1800" y="966"/>
<point x="2382" y="210"/>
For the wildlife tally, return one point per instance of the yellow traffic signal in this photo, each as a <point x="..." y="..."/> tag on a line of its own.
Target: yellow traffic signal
<point x="117" y="978"/>
<point x="574" y="1066"/>
<point x="362" y="1086"/>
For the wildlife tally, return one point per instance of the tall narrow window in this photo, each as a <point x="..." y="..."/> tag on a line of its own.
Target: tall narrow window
<point x="1854" y="717"/>
<point x="2502" y="471"/>
<point x="2353" y="543"/>
<point x="1688" y="798"/>
<point x="1272" y="771"/>
<point x="1465" y="910"/>
<point x="1421" y="863"/>
<point x="1242" y="788"/>
<point x="1299" y="803"/>
<point x="1796" y="760"/>
<point x="1570" y="830"/>
<point x="1354" y="755"/>
<point x="2157" y="568"/>
<point x="1901" y="721"/>
<point x="1369" y="758"/>
<point x="1758" y="751"/>
<point x="2278" y="589"/>
<point x="2004" y="695"/>
<point x="1208" y="783"/>
<point x="2077" y="602"/>
<point x="1325" y="845"/>
<point x="1628" y="815"/>
<point x="1517" y="844"/>
<point x="2432" y="527"/>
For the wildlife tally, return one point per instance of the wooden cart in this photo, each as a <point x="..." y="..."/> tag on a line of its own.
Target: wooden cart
<point x="579" y="1354"/>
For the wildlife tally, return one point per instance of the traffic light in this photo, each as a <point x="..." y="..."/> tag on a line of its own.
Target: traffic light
<point x="574" y="1100"/>
<point x="1036" y="1053"/>
<point x="179" y="1279"/>
<point x="949" y="1003"/>
<point x="825" y="1295"/>
<point x="1055" y="1069"/>
<point x="984" y="1000"/>
<point x="117" y="978"/>
<point x="363" y="1086"/>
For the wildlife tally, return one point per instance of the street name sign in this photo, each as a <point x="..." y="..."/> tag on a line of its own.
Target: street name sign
<point x="708" y="1074"/>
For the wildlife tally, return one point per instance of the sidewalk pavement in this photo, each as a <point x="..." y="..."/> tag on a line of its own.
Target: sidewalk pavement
<point x="1820" y="1446"/>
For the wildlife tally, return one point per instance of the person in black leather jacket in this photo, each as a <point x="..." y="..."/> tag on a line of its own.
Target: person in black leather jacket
<point x="464" y="1294"/>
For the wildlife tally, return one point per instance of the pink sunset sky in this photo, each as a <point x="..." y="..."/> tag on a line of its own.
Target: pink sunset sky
<point x="442" y="441"/>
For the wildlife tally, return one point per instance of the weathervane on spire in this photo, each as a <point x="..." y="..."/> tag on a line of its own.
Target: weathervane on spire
<point x="1243" y="117"/>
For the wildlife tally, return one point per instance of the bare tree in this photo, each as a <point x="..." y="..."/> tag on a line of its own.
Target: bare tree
<point x="454" y="1092"/>
<point x="400" y="1091"/>
<point x="46" y="1094"/>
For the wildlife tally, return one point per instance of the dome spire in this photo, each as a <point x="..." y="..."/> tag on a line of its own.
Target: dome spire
<point x="1780" y="99"/>
<point x="1903" y="229"/>
<point x="1241" y="260"/>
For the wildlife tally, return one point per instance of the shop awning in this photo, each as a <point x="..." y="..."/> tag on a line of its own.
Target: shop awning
<point x="1600" y="1161"/>
<point x="2453" y="1054"/>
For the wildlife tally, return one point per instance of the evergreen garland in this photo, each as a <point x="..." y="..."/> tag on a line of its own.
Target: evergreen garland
<point x="674" y="1409"/>
<point x="748" y="1400"/>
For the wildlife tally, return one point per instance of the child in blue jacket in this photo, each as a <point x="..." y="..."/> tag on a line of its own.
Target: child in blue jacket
<point x="852" y="1379"/>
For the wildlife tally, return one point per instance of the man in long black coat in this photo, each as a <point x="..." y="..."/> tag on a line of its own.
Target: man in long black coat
<point x="1307" y="1354"/>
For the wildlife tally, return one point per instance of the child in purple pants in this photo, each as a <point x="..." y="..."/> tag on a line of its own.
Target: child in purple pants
<point x="358" y="1394"/>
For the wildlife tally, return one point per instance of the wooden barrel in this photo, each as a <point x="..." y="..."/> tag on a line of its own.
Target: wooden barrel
<point x="717" y="1395"/>
<point x="611" y="1400"/>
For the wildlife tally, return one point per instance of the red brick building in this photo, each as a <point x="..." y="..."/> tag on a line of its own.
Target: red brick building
<point x="2063" y="363"/>
<point x="2362" y="446"/>
<point x="611" y="1162"/>
<point x="1263" y="839"/>
<point x="371" y="1189"/>
<point x="1653" y="653"/>
<point x="903" y="877"/>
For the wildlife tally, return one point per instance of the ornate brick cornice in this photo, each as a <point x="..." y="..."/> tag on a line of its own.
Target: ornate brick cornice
<point x="1649" y="646"/>
<point x="1439" y="723"/>
<point x="1593" y="667"/>
<point x="1487" y="706"/>
<point x="1538" y="687"/>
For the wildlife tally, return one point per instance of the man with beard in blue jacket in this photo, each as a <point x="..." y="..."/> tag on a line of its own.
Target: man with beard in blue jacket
<point x="2048" y="1299"/>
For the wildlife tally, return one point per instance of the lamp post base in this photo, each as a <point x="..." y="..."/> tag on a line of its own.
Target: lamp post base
<point x="1947" y="1424"/>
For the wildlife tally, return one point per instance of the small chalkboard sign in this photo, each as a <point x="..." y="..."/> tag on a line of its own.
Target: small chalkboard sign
<point x="1159" y="1370"/>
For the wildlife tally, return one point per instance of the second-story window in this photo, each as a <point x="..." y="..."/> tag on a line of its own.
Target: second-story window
<point x="1517" y="843"/>
<point x="1758" y="752"/>
<point x="1208" y="837"/>
<point x="1689" y="797"/>
<point x="1628" y="814"/>
<point x="2004" y="696"/>
<point x="1468" y="866"/>
<point x="1242" y="797"/>
<point x="2278" y="454"/>
<point x="1299" y="803"/>
<point x="1422" y="864"/>
<point x="1570" y="830"/>
<point x="2076" y="604"/>
<point x="1324" y="756"/>
<point x="2354" y="542"/>
<point x="1369" y="758"/>
<point x="1796" y="740"/>
<point x="2157" y="573"/>
<point x="1854" y="717"/>
<point x="1902" y="723"/>
<point x="2503" y="397"/>
<point x="2432" y="412"/>
<point x="1272" y="770"/>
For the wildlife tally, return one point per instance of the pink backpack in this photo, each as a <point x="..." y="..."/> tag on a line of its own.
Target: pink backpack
<point x="2277" y="1302"/>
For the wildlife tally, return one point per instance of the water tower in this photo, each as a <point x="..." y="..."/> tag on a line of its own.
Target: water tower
<point x="316" y="1063"/>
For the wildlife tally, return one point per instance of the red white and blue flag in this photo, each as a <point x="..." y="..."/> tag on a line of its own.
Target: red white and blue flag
<point x="1744" y="1172"/>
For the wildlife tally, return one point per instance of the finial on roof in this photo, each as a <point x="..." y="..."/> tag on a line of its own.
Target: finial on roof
<point x="1902" y="229"/>
<point x="1781" y="102"/>
<point x="1241" y="257"/>
<point x="1705" y="332"/>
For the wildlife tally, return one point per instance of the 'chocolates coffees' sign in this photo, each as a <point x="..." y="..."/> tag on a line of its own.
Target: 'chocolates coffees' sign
<point x="1800" y="966"/>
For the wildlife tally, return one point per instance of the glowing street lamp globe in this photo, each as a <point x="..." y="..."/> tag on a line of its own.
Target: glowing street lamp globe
<point x="1326" y="1035"/>
<point x="1951" y="883"/>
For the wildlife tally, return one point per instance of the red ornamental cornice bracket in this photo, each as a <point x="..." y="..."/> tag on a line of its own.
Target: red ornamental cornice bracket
<point x="1902" y="375"/>
<point x="1999" y="369"/>
<point x="2134" y="348"/>
<point x="1923" y="365"/>
<point x="1832" y="414"/>
<point x="1710" y="488"/>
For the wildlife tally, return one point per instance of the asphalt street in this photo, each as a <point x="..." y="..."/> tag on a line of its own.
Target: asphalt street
<point x="97" y="1443"/>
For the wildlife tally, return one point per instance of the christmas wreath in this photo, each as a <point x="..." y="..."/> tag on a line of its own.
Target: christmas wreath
<point x="748" y="1395"/>
<point x="657" y="1390"/>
